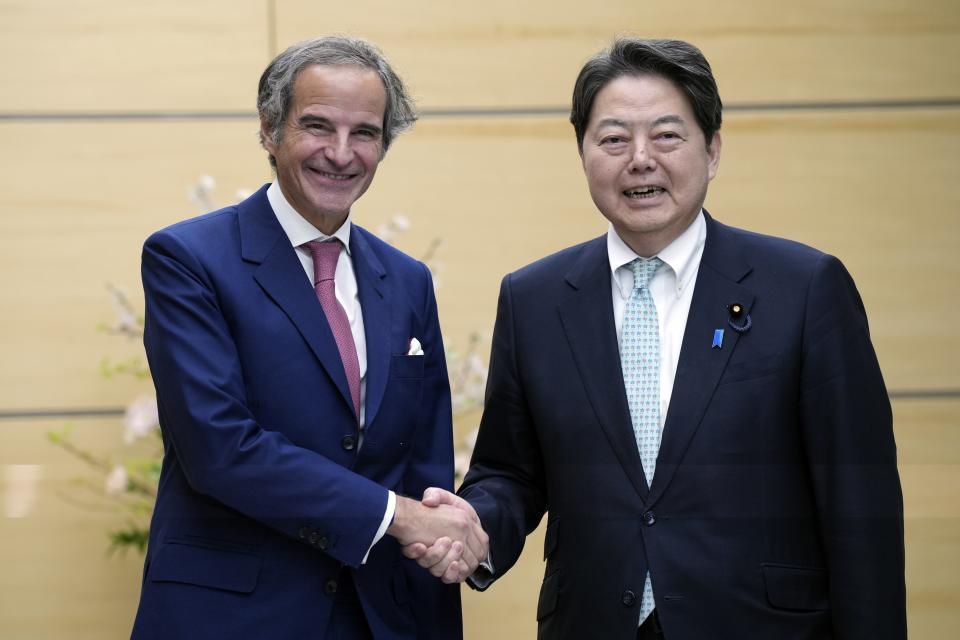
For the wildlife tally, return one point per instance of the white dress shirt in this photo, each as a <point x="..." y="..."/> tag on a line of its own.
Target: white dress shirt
<point x="671" y="288"/>
<point x="299" y="231"/>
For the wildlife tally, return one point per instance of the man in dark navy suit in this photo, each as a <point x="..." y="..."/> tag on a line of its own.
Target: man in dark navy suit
<point x="302" y="389"/>
<point x="697" y="409"/>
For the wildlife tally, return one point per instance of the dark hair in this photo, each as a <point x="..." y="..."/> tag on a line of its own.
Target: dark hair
<point x="677" y="61"/>
<point x="275" y="93"/>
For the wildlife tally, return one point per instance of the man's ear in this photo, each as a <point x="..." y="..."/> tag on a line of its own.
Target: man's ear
<point x="265" y="139"/>
<point x="713" y="152"/>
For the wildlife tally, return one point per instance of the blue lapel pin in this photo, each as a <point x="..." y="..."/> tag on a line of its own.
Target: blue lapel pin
<point x="717" y="339"/>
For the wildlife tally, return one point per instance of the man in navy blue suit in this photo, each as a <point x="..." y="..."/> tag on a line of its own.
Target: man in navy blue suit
<point x="697" y="409"/>
<point x="302" y="389"/>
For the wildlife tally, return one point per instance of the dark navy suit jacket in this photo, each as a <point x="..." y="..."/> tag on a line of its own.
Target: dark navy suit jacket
<point x="264" y="495"/>
<point x="776" y="510"/>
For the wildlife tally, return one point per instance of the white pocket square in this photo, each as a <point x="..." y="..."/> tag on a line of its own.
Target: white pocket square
<point x="415" y="348"/>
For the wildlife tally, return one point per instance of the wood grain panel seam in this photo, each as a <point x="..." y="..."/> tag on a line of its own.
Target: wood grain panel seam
<point x="472" y="112"/>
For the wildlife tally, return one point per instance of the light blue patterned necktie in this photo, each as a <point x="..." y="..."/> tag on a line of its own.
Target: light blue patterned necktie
<point x="640" y="361"/>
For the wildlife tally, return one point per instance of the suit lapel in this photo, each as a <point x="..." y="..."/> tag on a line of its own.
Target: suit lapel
<point x="700" y="366"/>
<point x="587" y="319"/>
<point x="375" y="301"/>
<point x="281" y="276"/>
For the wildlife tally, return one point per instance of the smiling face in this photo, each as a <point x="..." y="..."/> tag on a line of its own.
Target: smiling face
<point x="646" y="160"/>
<point x="331" y="143"/>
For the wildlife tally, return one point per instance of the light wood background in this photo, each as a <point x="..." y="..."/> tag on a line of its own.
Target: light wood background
<point x="91" y="167"/>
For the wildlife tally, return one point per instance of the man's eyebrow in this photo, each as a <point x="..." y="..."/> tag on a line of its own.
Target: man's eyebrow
<point x="669" y="119"/>
<point x="617" y="122"/>
<point x="612" y="122"/>
<point x="309" y="118"/>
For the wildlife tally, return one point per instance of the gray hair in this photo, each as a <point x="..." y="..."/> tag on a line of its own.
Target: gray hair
<point x="275" y="94"/>
<point x="676" y="60"/>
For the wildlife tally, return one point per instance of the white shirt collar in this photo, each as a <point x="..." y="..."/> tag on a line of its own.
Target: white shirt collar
<point x="297" y="228"/>
<point x="682" y="255"/>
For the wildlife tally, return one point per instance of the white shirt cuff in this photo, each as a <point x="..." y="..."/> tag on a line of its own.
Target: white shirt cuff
<point x="387" y="519"/>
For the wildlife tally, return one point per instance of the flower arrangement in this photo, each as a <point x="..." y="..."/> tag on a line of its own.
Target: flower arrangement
<point x="129" y="481"/>
<point x="130" y="484"/>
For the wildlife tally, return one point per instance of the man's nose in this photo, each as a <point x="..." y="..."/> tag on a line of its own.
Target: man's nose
<point x="339" y="152"/>
<point x="642" y="159"/>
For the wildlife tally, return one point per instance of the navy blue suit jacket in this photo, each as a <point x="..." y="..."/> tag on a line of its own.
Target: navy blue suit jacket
<point x="776" y="509"/>
<point x="263" y="493"/>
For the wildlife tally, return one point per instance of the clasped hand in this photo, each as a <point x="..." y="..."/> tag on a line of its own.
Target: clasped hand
<point x="442" y="533"/>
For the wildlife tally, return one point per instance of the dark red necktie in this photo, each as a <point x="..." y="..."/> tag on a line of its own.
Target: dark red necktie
<point x="325" y="256"/>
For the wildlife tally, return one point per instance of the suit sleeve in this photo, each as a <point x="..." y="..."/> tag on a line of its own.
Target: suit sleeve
<point x="848" y="430"/>
<point x="506" y="482"/>
<point x="224" y="453"/>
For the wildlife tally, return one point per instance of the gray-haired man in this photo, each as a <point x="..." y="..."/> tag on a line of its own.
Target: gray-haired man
<point x="302" y="388"/>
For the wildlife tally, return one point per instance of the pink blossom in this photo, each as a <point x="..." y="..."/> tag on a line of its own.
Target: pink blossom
<point x="141" y="418"/>
<point x="116" y="481"/>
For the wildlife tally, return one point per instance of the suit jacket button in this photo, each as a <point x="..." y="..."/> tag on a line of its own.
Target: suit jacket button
<point x="649" y="518"/>
<point x="330" y="587"/>
<point x="348" y="443"/>
<point x="628" y="598"/>
<point x="304" y="533"/>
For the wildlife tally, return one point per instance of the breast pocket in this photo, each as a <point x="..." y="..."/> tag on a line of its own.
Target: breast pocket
<point x="406" y="367"/>
<point x="752" y="369"/>
<point x="399" y="415"/>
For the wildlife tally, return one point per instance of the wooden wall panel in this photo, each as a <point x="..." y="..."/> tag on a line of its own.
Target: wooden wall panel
<point x="77" y="201"/>
<point x="57" y="579"/>
<point x="116" y="55"/>
<point x="458" y="53"/>
<point x="498" y="193"/>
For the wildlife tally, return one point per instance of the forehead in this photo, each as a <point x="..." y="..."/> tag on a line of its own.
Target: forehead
<point x="345" y="87"/>
<point x="640" y="97"/>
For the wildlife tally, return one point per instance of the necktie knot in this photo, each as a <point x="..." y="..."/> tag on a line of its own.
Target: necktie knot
<point x="325" y="257"/>
<point x="643" y="270"/>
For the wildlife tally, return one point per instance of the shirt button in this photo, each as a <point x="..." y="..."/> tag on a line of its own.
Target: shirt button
<point x="628" y="598"/>
<point x="348" y="443"/>
<point x="649" y="518"/>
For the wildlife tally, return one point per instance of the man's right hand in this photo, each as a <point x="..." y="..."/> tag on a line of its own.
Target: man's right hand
<point x="443" y="533"/>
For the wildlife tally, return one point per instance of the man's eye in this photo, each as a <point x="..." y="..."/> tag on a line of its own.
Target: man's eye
<point x="612" y="140"/>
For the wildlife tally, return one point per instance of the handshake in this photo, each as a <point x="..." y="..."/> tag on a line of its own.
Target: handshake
<point x="442" y="533"/>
